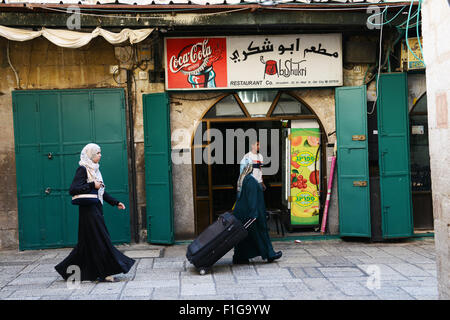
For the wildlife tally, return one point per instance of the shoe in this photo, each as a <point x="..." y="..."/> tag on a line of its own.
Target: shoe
<point x="240" y="261"/>
<point x="108" y="279"/>
<point x="276" y="256"/>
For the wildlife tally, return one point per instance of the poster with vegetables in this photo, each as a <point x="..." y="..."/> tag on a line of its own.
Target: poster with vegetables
<point x="305" y="176"/>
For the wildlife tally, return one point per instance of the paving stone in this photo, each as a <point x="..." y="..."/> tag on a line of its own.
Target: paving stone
<point x="300" y="262"/>
<point x="313" y="272"/>
<point x="333" y="272"/>
<point x="391" y="293"/>
<point x="352" y="289"/>
<point x="153" y="283"/>
<point x="274" y="273"/>
<point x="234" y="289"/>
<point x="95" y="297"/>
<point x="319" y="284"/>
<point x="141" y="254"/>
<point x="421" y="291"/>
<point x="156" y="275"/>
<point x="433" y="297"/>
<point x="137" y="292"/>
<point x="193" y="289"/>
<point x="409" y="270"/>
<point x="166" y="293"/>
<point x="328" y="261"/>
<point x="297" y="272"/>
<point x="248" y="296"/>
<point x="317" y="252"/>
<point x="274" y="292"/>
<point x="24" y="280"/>
<point x="310" y="270"/>
<point x="104" y="288"/>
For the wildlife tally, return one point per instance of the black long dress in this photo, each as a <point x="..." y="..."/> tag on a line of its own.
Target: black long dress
<point x="94" y="253"/>
<point x="251" y="205"/>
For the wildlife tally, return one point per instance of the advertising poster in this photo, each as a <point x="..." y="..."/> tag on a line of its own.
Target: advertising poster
<point x="196" y="63"/>
<point x="305" y="176"/>
<point x="413" y="62"/>
<point x="253" y="62"/>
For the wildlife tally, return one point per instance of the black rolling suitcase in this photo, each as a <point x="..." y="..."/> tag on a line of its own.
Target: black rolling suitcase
<point x="216" y="240"/>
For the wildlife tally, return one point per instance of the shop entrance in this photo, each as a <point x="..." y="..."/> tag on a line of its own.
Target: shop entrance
<point x="422" y="201"/>
<point x="223" y="137"/>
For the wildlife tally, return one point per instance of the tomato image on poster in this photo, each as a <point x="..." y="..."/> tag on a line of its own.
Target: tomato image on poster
<point x="196" y="63"/>
<point x="305" y="176"/>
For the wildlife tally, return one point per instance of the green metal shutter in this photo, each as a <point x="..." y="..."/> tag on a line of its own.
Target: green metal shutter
<point x="158" y="168"/>
<point x="393" y="141"/>
<point x="352" y="162"/>
<point x="50" y="128"/>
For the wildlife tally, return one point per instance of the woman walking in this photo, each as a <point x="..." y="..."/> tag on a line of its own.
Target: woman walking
<point x="249" y="205"/>
<point x="94" y="253"/>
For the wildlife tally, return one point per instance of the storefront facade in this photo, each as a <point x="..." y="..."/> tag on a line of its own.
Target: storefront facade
<point x="265" y="81"/>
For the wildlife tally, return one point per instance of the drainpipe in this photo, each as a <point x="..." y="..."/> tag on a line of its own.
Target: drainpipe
<point x="132" y="161"/>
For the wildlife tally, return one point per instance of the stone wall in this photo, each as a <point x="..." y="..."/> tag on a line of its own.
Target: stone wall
<point x="436" y="49"/>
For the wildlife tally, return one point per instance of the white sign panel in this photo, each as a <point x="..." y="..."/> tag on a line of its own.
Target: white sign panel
<point x="285" y="61"/>
<point x="254" y="62"/>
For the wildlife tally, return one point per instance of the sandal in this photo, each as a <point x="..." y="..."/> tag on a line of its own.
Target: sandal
<point x="108" y="279"/>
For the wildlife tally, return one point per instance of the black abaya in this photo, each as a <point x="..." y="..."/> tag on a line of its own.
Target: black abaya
<point x="251" y="205"/>
<point x="94" y="253"/>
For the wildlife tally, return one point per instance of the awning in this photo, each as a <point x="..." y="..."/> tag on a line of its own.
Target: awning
<point x="75" y="39"/>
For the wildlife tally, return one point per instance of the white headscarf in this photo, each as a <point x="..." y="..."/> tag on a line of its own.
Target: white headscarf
<point x="246" y="167"/>
<point x="92" y="168"/>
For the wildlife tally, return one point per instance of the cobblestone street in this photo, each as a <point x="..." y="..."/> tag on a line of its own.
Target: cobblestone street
<point x="310" y="270"/>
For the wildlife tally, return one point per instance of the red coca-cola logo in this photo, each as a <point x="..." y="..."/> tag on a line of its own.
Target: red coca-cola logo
<point x="194" y="58"/>
<point x="191" y="59"/>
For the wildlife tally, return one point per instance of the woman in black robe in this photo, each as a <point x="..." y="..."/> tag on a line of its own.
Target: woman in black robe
<point x="94" y="253"/>
<point x="249" y="205"/>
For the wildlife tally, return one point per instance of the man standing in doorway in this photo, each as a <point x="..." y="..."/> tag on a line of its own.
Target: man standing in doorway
<point x="257" y="159"/>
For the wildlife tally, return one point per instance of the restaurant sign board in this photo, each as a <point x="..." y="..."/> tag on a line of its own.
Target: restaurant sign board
<point x="253" y="62"/>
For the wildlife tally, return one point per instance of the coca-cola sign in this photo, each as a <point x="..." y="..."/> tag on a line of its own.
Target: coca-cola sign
<point x="192" y="59"/>
<point x="254" y="62"/>
<point x="195" y="63"/>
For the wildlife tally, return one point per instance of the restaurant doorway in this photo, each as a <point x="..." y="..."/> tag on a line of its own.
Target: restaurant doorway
<point x="223" y="136"/>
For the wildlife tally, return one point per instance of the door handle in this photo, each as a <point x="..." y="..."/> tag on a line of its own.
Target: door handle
<point x="362" y="183"/>
<point x="360" y="137"/>
<point x="385" y="209"/>
<point x="49" y="190"/>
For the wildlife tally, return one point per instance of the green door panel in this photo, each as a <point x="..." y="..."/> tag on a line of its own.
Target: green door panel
<point x="393" y="141"/>
<point x="352" y="162"/>
<point x="51" y="128"/>
<point x="158" y="168"/>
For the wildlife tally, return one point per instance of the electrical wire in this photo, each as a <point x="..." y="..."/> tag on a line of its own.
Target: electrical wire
<point x="133" y="16"/>
<point x="12" y="67"/>
<point x="379" y="66"/>
<point x="384" y="14"/>
<point x="406" y="35"/>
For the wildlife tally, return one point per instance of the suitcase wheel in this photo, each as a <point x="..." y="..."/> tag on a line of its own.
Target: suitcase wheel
<point x="203" y="271"/>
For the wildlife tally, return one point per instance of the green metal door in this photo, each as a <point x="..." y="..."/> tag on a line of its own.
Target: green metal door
<point x="158" y="168"/>
<point x="393" y="145"/>
<point x="50" y="129"/>
<point x="352" y="162"/>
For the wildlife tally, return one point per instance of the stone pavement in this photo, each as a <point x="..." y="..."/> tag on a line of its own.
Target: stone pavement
<point x="310" y="270"/>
